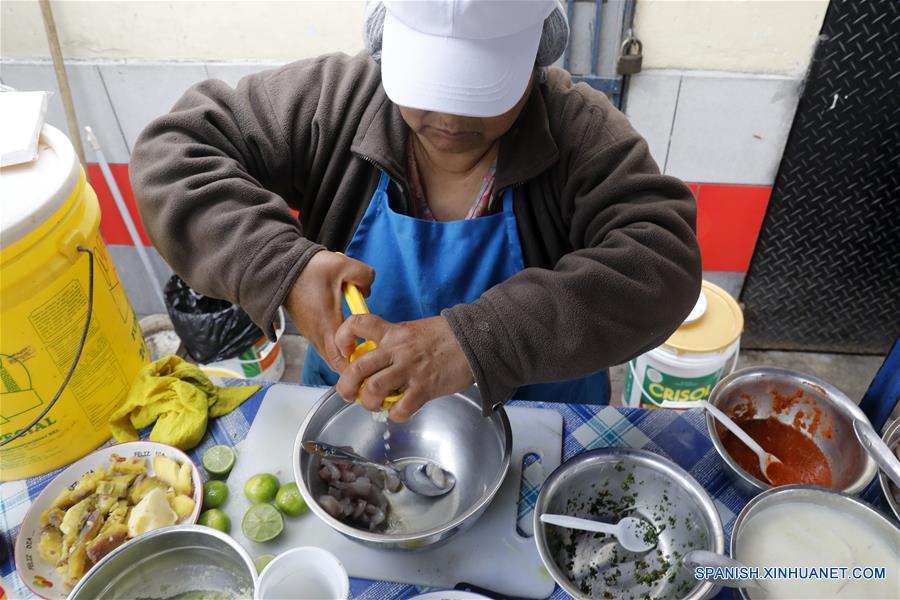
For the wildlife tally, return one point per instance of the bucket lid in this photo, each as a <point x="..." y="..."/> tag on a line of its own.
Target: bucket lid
<point x="714" y="324"/>
<point x="32" y="192"/>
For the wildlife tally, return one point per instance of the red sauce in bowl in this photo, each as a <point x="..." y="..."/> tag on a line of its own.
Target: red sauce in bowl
<point x="803" y="461"/>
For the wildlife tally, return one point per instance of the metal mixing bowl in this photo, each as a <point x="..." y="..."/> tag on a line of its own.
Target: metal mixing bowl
<point x="449" y="430"/>
<point x="168" y="562"/>
<point x="801" y="493"/>
<point x="758" y="388"/>
<point x="660" y="492"/>
<point x="891" y="438"/>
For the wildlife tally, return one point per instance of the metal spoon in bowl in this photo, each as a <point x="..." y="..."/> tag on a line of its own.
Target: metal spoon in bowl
<point x="425" y="478"/>
<point x="633" y="534"/>
<point x="766" y="460"/>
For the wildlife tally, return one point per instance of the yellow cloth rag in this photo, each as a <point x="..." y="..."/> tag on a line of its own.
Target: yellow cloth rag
<point x="179" y="398"/>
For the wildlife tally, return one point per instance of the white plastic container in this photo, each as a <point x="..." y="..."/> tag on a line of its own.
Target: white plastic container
<point x="304" y="573"/>
<point x="690" y="363"/>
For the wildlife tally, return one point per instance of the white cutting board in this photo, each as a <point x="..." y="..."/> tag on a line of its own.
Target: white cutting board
<point x="491" y="554"/>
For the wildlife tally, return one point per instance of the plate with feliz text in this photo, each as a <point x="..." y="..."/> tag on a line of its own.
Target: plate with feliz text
<point x="98" y="503"/>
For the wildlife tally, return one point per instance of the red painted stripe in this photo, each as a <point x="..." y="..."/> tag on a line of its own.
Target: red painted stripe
<point x="111" y="224"/>
<point x="728" y="218"/>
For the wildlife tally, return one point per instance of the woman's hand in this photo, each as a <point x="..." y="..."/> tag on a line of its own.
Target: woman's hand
<point x="314" y="302"/>
<point x="420" y="357"/>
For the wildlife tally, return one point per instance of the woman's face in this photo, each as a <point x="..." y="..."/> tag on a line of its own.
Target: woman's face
<point x="455" y="134"/>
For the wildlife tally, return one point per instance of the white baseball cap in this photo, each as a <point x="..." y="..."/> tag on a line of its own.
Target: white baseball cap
<point x="463" y="57"/>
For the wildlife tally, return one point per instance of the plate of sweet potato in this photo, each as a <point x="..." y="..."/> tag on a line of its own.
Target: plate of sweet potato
<point x="99" y="503"/>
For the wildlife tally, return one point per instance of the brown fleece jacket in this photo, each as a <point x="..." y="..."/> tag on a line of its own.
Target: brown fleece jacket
<point x="612" y="262"/>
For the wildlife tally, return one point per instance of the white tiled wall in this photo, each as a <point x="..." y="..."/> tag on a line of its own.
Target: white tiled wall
<point x="701" y="127"/>
<point x="731" y="129"/>
<point x="712" y="127"/>
<point x="650" y="106"/>
<point x="141" y="92"/>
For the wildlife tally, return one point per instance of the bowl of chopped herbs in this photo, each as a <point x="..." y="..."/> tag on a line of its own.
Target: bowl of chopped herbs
<point x="607" y="485"/>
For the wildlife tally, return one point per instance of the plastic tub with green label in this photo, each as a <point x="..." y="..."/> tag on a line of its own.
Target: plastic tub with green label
<point x="690" y="363"/>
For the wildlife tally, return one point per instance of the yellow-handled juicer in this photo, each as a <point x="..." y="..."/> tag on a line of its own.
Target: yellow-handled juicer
<point x="357" y="303"/>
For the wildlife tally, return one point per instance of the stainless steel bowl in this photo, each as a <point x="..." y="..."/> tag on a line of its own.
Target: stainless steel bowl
<point x="842" y="502"/>
<point x="763" y="390"/>
<point x="892" y="439"/>
<point x="659" y="491"/>
<point x="171" y="561"/>
<point x="449" y="430"/>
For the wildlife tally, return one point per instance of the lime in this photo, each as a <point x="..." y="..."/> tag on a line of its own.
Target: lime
<point x="262" y="523"/>
<point x="216" y="519"/>
<point x="261" y="488"/>
<point x="214" y="493"/>
<point x="289" y="500"/>
<point x="218" y="461"/>
<point x="262" y="560"/>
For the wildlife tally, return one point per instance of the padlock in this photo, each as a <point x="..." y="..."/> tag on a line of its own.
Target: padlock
<point x="630" y="62"/>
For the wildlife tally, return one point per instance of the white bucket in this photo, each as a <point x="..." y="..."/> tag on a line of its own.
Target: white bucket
<point x="690" y="363"/>
<point x="263" y="360"/>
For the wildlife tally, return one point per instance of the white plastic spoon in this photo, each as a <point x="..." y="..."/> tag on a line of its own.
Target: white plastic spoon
<point x="632" y="533"/>
<point x="766" y="459"/>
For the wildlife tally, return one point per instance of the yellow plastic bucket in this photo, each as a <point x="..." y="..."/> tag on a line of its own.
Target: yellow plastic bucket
<point x="49" y="218"/>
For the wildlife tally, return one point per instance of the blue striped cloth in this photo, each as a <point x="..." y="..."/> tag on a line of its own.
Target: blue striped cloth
<point x="680" y="436"/>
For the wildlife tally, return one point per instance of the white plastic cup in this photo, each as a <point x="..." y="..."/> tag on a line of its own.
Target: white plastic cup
<point x="305" y="573"/>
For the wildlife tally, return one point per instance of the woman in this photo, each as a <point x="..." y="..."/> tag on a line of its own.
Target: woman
<point x="509" y="228"/>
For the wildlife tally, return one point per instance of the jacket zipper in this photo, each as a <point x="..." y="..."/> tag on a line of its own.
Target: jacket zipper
<point x="394" y="181"/>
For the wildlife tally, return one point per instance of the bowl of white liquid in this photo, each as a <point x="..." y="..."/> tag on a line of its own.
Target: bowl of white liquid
<point x="810" y="542"/>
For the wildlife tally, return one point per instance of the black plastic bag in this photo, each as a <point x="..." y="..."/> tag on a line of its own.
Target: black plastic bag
<point x="211" y="329"/>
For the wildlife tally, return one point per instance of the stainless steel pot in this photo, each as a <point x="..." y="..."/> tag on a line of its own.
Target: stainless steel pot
<point x="762" y="390"/>
<point x="168" y="562"/>
<point x="449" y="430"/>
<point x="604" y="483"/>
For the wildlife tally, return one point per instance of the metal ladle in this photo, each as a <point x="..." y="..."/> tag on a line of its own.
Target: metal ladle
<point x="424" y="477"/>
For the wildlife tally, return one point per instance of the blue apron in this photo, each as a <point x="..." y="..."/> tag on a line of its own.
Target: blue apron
<point x="423" y="267"/>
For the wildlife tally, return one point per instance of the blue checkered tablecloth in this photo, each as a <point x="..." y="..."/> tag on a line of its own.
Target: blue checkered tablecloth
<point x="680" y="436"/>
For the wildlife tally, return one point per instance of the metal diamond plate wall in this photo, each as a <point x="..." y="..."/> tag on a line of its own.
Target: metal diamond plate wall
<point x="826" y="271"/>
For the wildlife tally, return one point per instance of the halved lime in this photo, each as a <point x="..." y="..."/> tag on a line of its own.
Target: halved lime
<point x="261" y="488"/>
<point x="218" y="461"/>
<point x="216" y="519"/>
<point x="215" y="493"/>
<point x="262" y="560"/>
<point x="289" y="500"/>
<point x="262" y="523"/>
